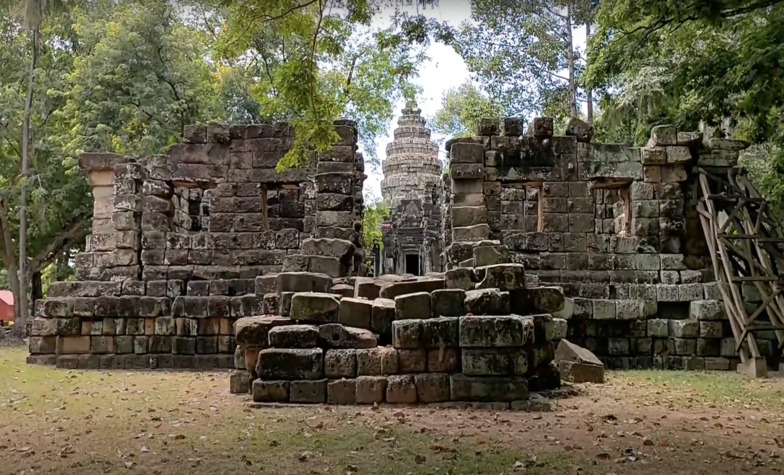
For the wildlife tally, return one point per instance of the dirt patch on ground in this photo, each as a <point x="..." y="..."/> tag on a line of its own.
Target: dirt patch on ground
<point x="54" y="421"/>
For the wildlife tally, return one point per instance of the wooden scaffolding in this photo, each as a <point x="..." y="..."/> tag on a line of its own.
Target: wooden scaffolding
<point x="745" y="241"/>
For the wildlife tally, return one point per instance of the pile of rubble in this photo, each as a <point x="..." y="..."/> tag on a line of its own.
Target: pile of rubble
<point x="472" y="334"/>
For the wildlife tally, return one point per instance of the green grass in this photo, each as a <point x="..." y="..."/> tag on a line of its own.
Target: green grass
<point x="56" y="421"/>
<point x="694" y="387"/>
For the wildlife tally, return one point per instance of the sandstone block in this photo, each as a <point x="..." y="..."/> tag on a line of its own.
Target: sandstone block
<point x="315" y="307"/>
<point x="293" y="336"/>
<point x="355" y="312"/>
<point x="412" y="306"/>
<point x="308" y="391"/>
<point x="487" y="388"/>
<point x="253" y="331"/>
<point x="459" y="278"/>
<point x="407" y="333"/>
<point x="342" y="391"/>
<point x="706" y="310"/>
<point x="270" y="391"/>
<point x="442" y="332"/>
<point x="382" y="316"/>
<point x="239" y="382"/>
<point x="684" y="328"/>
<point x="658" y="328"/>
<point x="377" y="361"/>
<point x="492" y="331"/>
<point x="711" y="329"/>
<point x="370" y="389"/>
<point x="401" y="389"/>
<point x="448" y="302"/>
<point x="494" y="362"/>
<point x="393" y="289"/>
<point x="500" y="276"/>
<point x="290" y="364"/>
<point x="412" y="361"/>
<point x="336" y="335"/>
<point x="367" y="288"/>
<point x="341" y="363"/>
<point x="487" y="302"/>
<point x="432" y="387"/>
<point x="446" y="360"/>
<point x="303" y="282"/>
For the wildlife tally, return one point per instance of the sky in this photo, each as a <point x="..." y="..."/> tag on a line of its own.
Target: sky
<point x="443" y="71"/>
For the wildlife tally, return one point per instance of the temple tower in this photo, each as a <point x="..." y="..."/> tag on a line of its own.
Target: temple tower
<point x="412" y="189"/>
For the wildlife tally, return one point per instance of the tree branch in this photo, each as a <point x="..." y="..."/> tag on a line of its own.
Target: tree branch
<point x="7" y="244"/>
<point x="74" y="232"/>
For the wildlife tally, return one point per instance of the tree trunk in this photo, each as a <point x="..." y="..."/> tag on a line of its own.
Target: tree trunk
<point x="570" y="59"/>
<point x="23" y="302"/>
<point x="588" y="92"/>
<point x="36" y="288"/>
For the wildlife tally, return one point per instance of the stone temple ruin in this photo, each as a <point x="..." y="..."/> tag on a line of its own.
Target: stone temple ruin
<point x="209" y="258"/>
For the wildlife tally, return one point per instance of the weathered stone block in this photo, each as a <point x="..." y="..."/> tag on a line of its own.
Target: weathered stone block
<point x="441" y="332"/>
<point x="684" y="328"/>
<point x="412" y="306"/>
<point x="706" y="310"/>
<point x="658" y="328"/>
<point x="604" y="309"/>
<point x="448" y="303"/>
<point x="315" y="307"/>
<point x="487" y="389"/>
<point x="309" y="391"/>
<point x="500" y="276"/>
<point x="340" y="363"/>
<point x="685" y="346"/>
<point x="377" y="361"/>
<point x="711" y="329"/>
<point x="342" y="391"/>
<point x="412" y="361"/>
<point x="459" y="278"/>
<point x="494" y="362"/>
<point x="370" y="389"/>
<point x="239" y="382"/>
<point x="336" y="335"/>
<point x="407" y="333"/>
<point x="487" y="302"/>
<point x="432" y="387"/>
<point x="293" y="336"/>
<point x="393" y="289"/>
<point x="291" y="364"/>
<point x="383" y="314"/>
<point x="493" y="331"/>
<point x="401" y="389"/>
<point x="355" y="312"/>
<point x="303" y="282"/>
<point x="443" y="360"/>
<point x="253" y="331"/>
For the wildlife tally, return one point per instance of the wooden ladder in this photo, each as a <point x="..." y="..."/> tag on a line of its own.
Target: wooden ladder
<point x="745" y="241"/>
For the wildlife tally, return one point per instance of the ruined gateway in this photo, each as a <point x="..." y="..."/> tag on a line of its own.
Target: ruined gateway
<point x="209" y="258"/>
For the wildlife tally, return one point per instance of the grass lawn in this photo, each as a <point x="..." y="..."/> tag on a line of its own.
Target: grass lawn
<point x="57" y="421"/>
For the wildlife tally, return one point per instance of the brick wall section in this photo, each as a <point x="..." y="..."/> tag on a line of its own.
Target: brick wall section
<point x="184" y="244"/>
<point x="616" y="227"/>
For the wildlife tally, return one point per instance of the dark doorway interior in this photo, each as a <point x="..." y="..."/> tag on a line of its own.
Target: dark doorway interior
<point x="412" y="264"/>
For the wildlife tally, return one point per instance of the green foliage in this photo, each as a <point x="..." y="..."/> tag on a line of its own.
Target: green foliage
<point x="323" y="60"/>
<point x="692" y="63"/>
<point x="142" y="77"/>
<point x="374" y="215"/>
<point x="462" y="109"/>
<point x="518" y="50"/>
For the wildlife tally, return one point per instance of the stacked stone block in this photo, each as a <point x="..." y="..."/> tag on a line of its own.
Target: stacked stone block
<point x="447" y="344"/>
<point x="185" y="244"/>
<point x="615" y="227"/>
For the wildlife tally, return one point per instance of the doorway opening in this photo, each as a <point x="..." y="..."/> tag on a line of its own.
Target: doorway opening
<point x="412" y="264"/>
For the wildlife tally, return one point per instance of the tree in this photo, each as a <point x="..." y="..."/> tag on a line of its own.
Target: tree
<point x="374" y="215"/>
<point x="524" y="53"/>
<point x="322" y="60"/>
<point x="462" y="109"/>
<point x="716" y="63"/>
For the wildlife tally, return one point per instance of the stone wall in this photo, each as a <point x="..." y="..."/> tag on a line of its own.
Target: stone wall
<point x="181" y="245"/>
<point x="473" y="335"/>
<point x="615" y="227"/>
